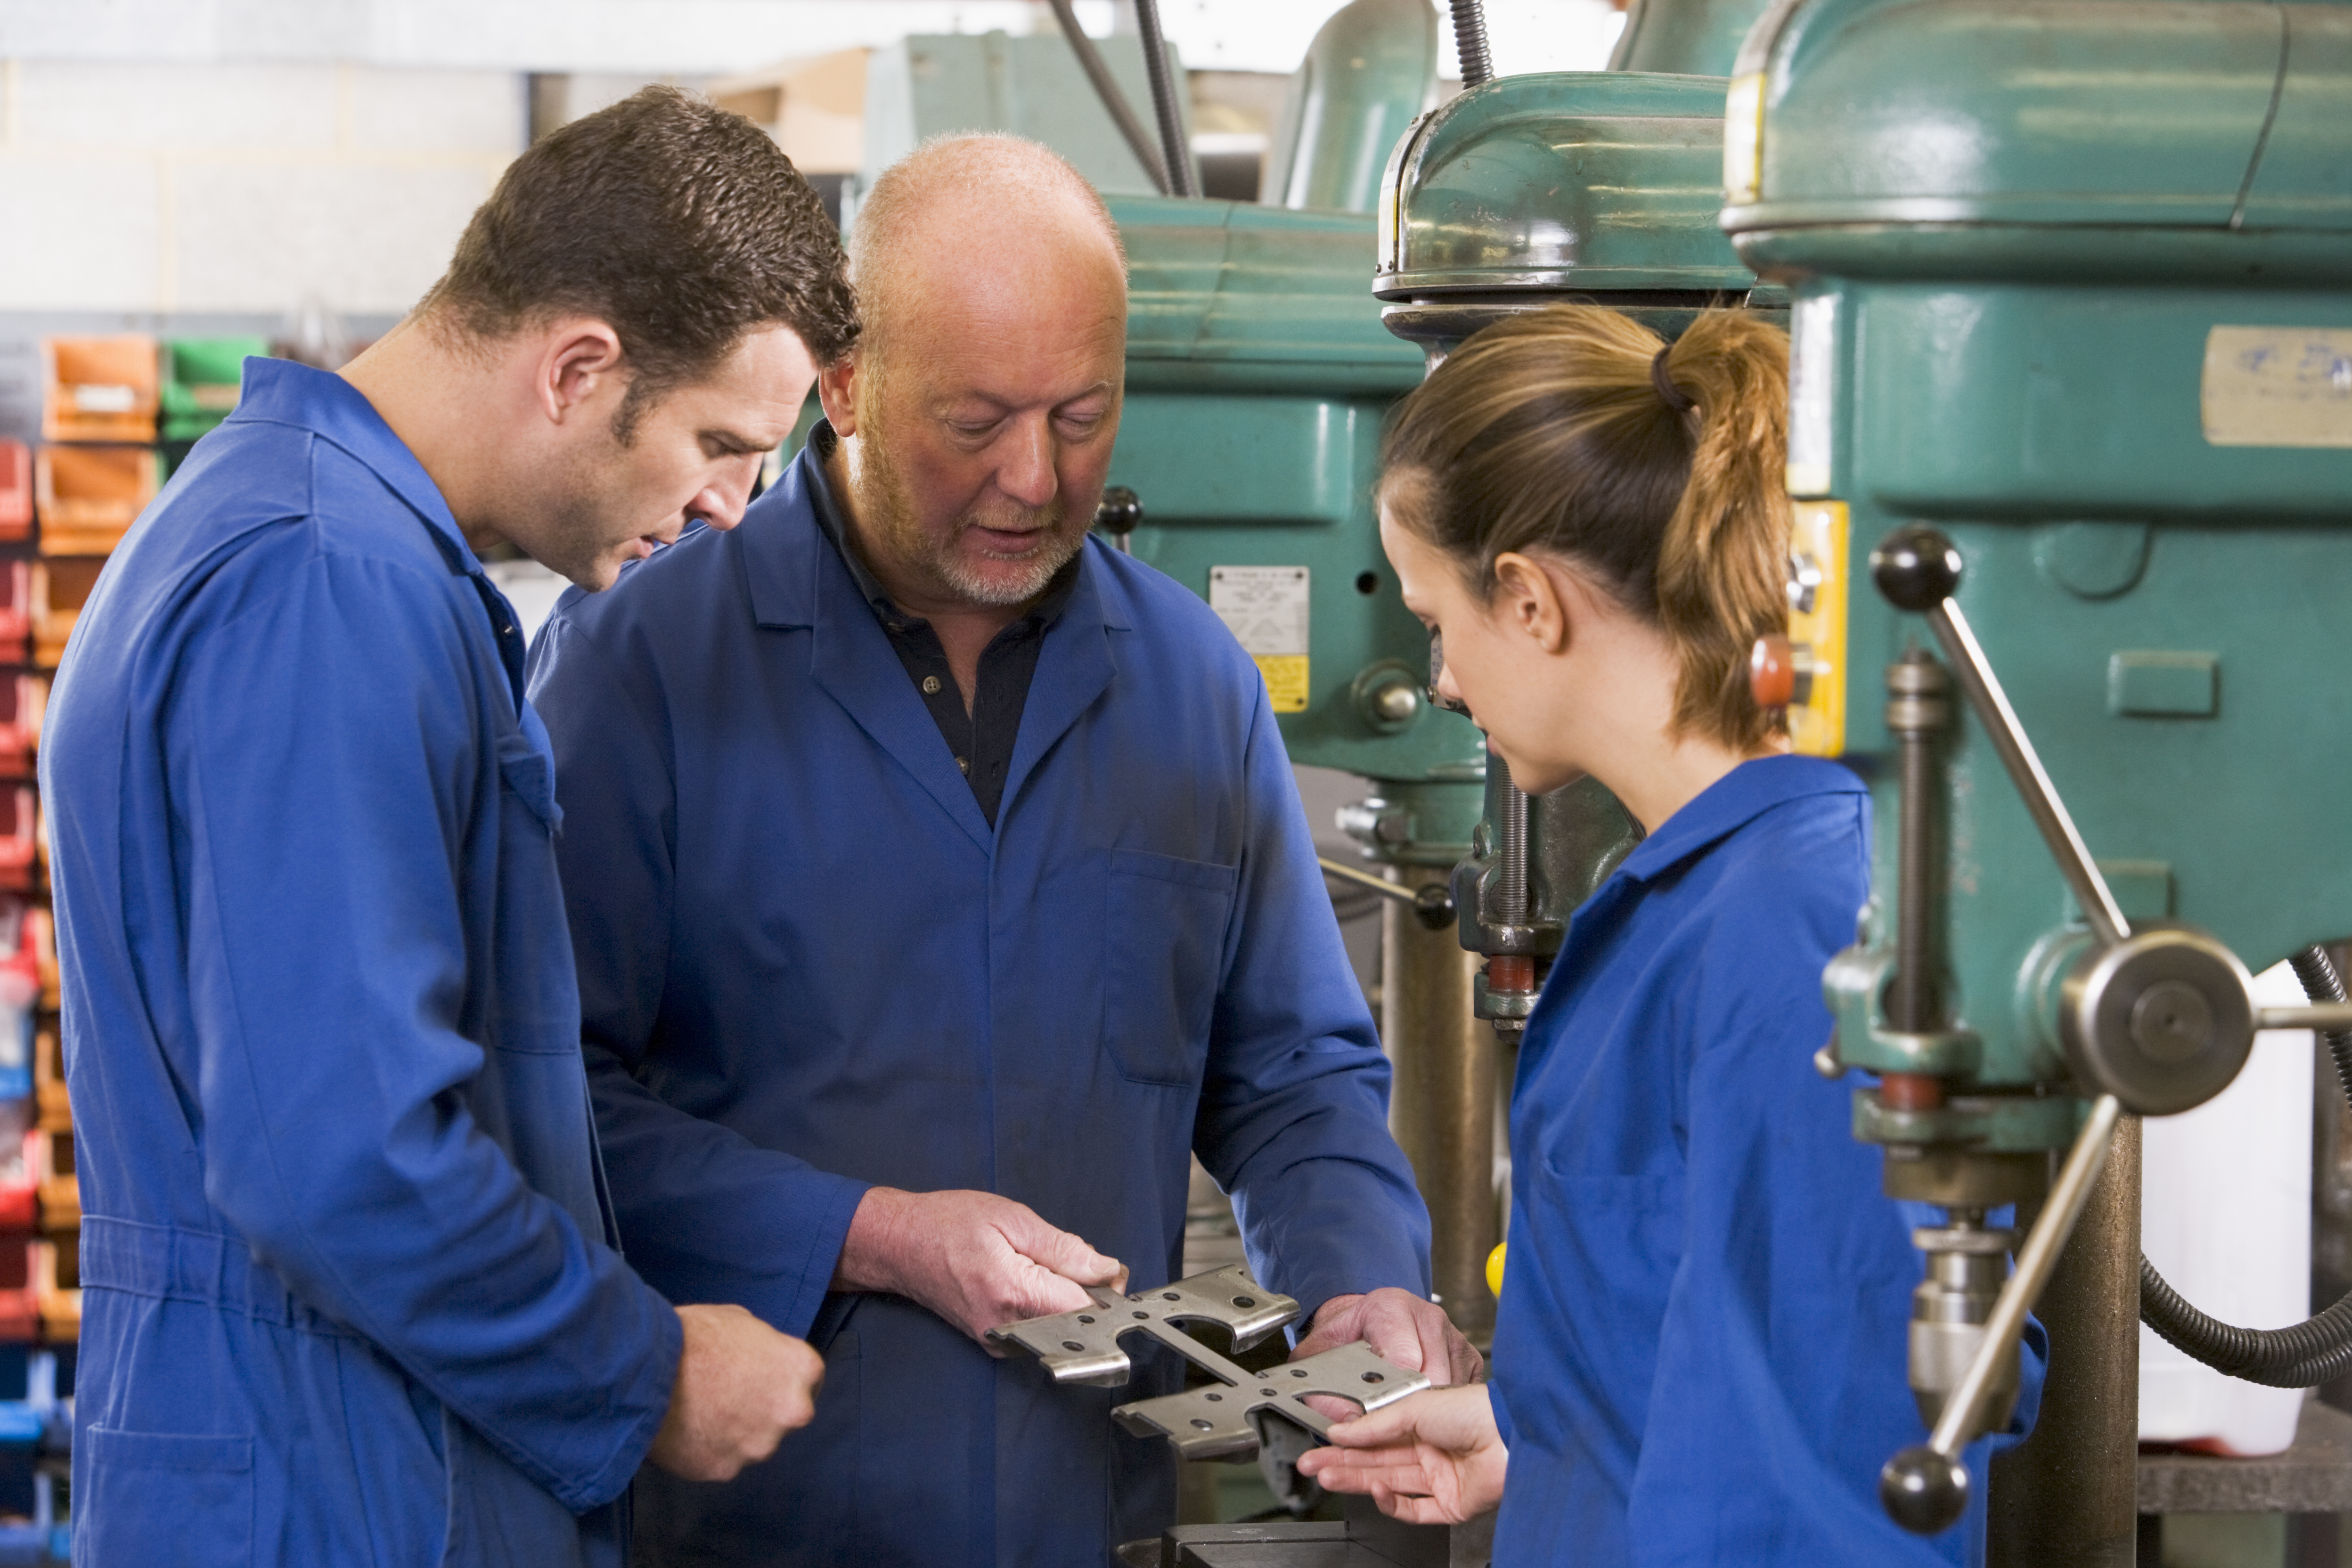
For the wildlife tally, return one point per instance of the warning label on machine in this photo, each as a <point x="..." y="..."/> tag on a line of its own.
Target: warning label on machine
<point x="1265" y="609"/>
<point x="2278" y="386"/>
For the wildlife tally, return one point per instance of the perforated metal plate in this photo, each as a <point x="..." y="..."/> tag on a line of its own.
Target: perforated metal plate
<point x="1219" y="1421"/>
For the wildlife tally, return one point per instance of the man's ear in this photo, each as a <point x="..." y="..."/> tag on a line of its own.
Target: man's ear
<point x="836" y="393"/>
<point x="580" y="357"/>
<point x="1528" y="599"/>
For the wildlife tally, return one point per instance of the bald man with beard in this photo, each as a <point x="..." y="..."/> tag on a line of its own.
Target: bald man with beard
<point x="938" y="886"/>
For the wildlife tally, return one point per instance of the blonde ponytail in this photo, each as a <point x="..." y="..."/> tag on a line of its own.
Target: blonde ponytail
<point x="1654" y="470"/>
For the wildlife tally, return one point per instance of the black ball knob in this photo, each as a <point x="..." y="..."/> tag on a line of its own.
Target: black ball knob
<point x="1922" y="1491"/>
<point x="1120" y="510"/>
<point x="1915" y="568"/>
<point x="1433" y="906"/>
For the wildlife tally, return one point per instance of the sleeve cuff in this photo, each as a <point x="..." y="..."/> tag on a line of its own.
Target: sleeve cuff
<point x="791" y="1307"/>
<point x="655" y="1384"/>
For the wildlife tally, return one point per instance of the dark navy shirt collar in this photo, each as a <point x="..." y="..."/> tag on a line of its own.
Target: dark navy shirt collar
<point x="1731" y="803"/>
<point x="816" y="460"/>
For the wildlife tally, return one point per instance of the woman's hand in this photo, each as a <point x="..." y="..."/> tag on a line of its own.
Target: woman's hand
<point x="1433" y="1459"/>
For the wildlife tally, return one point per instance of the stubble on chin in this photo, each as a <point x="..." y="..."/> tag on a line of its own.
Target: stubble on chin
<point x="887" y="517"/>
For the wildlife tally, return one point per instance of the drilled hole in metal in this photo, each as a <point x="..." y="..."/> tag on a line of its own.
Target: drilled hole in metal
<point x="1170" y="1296"/>
<point x="1299" y="1372"/>
<point x="1244" y="1300"/>
<point x="1374" y="1377"/>
<point x="1215" y="1398"/>
<point x="1145" y="1315"/>
<point x="1205" y="1425"/>
<point x="1071" y="1345"/>
<point x="1085" y="1318"/>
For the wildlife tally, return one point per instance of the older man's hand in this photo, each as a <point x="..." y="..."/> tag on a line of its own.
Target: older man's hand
<point x="976" y="1259"/>
<point x="1401" y="1327"/>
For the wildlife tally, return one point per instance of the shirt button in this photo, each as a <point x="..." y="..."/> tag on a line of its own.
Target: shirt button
<point x="963" y="765"/>
<point x="930" y="686"/>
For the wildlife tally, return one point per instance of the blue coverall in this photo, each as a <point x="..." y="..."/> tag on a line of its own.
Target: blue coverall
<point x="808" y="964"/>
<point x="348" y="1295"/>
<point x="1700" y="1351"/>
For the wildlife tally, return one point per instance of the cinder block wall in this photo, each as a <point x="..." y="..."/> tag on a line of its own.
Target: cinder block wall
<point x="241" y="188"/>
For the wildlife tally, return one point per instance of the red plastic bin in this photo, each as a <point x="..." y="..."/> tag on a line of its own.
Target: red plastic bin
<point x="20" y="812"/>
<point x="20" y="1296"/>
<point x="15" y="611"/>
<point x="23" y="700"/>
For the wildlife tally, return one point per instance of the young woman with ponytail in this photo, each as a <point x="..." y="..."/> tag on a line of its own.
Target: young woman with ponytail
<point x="1699" y="1354"/>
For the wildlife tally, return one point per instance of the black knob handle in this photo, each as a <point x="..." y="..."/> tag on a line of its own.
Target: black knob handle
<point x="1120" y="510"/>
<point x="1915" y="568"/>
<point x="1922" y="1491"/>
<point x="1433" y="906"/>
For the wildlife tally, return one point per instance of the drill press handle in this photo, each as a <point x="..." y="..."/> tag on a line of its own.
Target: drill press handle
<point x="2154" y="1022"/>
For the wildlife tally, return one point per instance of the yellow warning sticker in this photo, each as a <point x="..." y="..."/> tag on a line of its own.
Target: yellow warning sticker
<point x="1285" y="681"/>
<point x="1265" y="609"/>
<point x="1817" y="623"/>
<point x="2277" y="386"/>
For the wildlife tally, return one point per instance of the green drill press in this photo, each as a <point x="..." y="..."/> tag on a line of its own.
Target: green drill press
<point x="2072" y="378"/>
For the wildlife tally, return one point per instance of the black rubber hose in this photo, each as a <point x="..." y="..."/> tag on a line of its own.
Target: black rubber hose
<point x="2317" y="1350"/>
<point x="1470" y="43"/>
<point x="1174" y="155"/>
<point x="1106" y="87"/>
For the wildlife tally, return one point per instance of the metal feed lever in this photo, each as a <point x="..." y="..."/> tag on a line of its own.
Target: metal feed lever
<point x="1207" y="1422"/>
<point x="2154" y="1021"/>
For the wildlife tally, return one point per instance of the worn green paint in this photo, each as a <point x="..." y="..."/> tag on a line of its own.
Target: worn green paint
<point x="2008" y="230"/>
<point x="932" y="84"/>
<point x="1372" y="68"/>
<point x="1586" y="181"/>
<point x="1258" y="375"/>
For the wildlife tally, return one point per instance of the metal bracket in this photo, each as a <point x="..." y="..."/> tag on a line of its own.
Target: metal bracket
<point x="1209" y="1422"/>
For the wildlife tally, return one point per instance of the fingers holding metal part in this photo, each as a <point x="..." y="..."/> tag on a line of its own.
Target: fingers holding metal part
<point x="1435" y="1458"/>
<point x="1401" y="1327"/>
<point x="976" y="1260"/>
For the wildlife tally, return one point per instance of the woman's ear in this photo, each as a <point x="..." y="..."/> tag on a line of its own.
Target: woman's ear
<point x="1528" y="599"/>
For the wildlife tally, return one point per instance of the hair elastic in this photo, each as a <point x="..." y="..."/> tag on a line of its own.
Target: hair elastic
<point x="1676" y="399"/>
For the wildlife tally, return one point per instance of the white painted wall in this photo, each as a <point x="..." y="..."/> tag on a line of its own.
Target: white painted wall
<point x="150" y="186"/>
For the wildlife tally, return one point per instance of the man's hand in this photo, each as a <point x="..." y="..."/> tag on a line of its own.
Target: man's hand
<point x="1401" y="1327"/>
<point x="978" y="1260"/>
<point x="1433" y="1458"/>
<point x="741" y="1387"/>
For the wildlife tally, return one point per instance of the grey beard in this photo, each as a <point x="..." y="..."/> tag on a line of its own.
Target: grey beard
<point x="1053" y="554"/>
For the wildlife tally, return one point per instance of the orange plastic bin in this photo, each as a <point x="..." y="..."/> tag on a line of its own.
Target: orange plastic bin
<point x="16" y="490"/>
<point x="60" y="588"/>
<point x="88" y="497"/>
<point x="99" y="389"/>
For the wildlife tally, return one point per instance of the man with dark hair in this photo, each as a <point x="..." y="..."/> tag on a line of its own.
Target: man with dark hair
<point x="350" y="1291"/>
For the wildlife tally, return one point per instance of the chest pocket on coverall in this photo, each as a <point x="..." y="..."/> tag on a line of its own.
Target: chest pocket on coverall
<point x="1164" y="935"/>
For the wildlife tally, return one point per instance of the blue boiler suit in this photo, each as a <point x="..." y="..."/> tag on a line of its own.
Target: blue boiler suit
<point x="809" y="964"/>
<point x="347" y="1295"/>
<point x="1700" y="1349"/>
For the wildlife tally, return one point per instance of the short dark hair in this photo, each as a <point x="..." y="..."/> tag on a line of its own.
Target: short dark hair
<point x="681" y="224"/>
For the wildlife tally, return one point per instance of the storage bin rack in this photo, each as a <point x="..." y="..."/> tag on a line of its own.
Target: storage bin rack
<point x="199" y="381"/>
